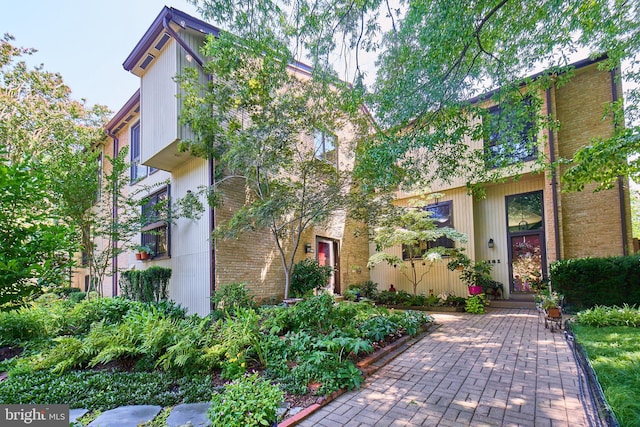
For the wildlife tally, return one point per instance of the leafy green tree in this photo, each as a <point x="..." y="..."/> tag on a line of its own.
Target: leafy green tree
<point x="36" y="244"/>
<point x="435" y="56"/>
<point x="47" y="166"/>
<point x="411" y="227"/>
<point x="38" y="116"/>
<point x="274" y="131"/>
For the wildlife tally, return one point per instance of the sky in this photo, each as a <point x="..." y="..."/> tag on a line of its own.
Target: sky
<point x="86" y="41"/>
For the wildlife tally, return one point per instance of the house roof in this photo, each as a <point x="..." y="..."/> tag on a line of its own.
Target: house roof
<point x="157" y="28"/>
<point x="124" y="114"/>
<point x="575" y="65"/>
<point x="152" y="37"/>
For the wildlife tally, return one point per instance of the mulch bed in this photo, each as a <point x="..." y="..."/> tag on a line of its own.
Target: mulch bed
<point x="9" y="352"/>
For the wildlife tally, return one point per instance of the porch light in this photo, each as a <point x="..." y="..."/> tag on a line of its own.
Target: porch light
<point x="307" y="248"/>
<point x="491" y="244"/>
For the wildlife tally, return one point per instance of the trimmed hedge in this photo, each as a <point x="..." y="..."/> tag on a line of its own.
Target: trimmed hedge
<point x="587" y="282"/>
<point x="148" y="285"/>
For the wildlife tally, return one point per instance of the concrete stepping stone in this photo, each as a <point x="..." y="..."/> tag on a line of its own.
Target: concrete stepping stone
<point x="126" y="416"/>
<point x="192" y="414"/>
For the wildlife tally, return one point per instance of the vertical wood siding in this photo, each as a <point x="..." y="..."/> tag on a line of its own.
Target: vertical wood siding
<point x="158" y="108"/>
<point x="491" y="223"/>
<point x="190" y="255"/>
<point x="438" y="278"/>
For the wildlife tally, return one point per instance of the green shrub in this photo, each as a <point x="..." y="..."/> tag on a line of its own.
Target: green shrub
<point x="65" y="291"/>
<point x="103" y="390"/>
<point x="600" y="316"/>
<point x="394" y="298"/>
<point x="20" y="325"/>
<point x="247" y="401"/>
<point x="148" y="285"/>
<point x="475" y="304"/>
<point x="588" y="282"/>
<point x="231" y="297"/>
<point x="170" y="308"/>
<point x="109" y="310"/>
<point x="368" y="289"/>
<point x="377" y="328"/>
<point x="308" y="276"/>
<point x="313" y="314"/>
<point x="351" y="293"/>
<point x="76" y="297"/>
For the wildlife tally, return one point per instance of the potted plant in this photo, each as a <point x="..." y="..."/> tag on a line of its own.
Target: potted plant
<point x="473" y="274"/>
<point x="551" y="303"/>
<point x="143" y="252"/>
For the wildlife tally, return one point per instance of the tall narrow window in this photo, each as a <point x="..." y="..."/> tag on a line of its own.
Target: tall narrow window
<point x="325" y="146"/>
<point x="100" y="170"/>
<point x="510" y="135"/>
<point x="138" y="171"/>
<point x="155" y="233"/>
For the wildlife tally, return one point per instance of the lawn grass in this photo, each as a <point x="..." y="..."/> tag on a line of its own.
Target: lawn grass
<point x="614" y="353"/>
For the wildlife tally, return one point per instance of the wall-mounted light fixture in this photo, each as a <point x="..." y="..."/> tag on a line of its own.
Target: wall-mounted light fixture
<point x="491" y="244"/>
<point x="308" y="249"/>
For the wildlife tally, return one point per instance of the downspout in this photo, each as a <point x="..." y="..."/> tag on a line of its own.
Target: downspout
<point x="554" y="181"/>
<point x="114" y="219"/>
<point x="212" y="247"/>
<point x="621" y="198"/>
<point x="212" y="243"/>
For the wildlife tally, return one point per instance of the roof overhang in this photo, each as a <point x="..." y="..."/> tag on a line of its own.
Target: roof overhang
<point x="156" y="37"/>
<point x="124" y="116"/>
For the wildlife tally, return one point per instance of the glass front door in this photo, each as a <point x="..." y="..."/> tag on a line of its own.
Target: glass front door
<point x="525" y="231"/>
<point x="526" y="262"/>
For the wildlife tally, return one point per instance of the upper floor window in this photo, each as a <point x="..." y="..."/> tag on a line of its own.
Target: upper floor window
<point x="442" y="216"/>
<point x="509" y="135"/>
<point x="155" y="232"/>
<point x="324" y="145"/>
<point x="138" y="171"/>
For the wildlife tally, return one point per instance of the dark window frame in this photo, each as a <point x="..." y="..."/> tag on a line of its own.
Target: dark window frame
<point x="138" y="171"/>
<point x="444" y="241"/>
<point x="156" y="230"/>
<point x="500" y="152"/>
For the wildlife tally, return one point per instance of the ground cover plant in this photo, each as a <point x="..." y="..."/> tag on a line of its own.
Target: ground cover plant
<point x="610" y="337"/>
<point x="109" y="352"/>
<point x="369" y="291"/>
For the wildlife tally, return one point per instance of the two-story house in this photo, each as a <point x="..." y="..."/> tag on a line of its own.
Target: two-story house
<point x="524" y="224"/>
<point x="149" y="124"/>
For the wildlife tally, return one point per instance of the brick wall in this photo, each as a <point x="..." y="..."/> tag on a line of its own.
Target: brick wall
<point x="591" y="222"/>
<point x="252" y="258"/>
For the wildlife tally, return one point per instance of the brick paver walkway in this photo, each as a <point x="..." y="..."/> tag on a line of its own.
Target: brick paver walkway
<point x="499" y="369"/>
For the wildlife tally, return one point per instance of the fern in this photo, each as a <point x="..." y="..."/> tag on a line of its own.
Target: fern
<point x="66" y="355"/>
